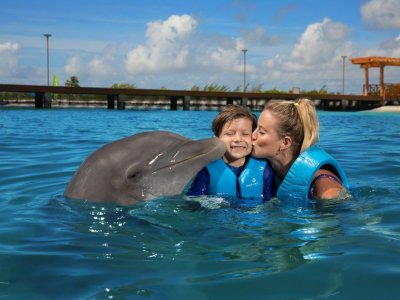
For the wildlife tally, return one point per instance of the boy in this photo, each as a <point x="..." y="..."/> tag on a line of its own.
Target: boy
<point x="236" y="173"/>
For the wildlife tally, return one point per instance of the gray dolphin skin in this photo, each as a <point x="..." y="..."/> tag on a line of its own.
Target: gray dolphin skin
<point x="143" y="166"/>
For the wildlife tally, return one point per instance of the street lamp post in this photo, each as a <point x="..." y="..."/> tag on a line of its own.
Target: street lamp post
<point x="344" y="58"/>
<point x="244" y="69"/>
<point x="47" y="35"/>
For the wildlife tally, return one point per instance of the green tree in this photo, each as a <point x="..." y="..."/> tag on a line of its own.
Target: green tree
<point x="72" y="82"/>
<point x="238" y="89"/>
<point x="123" y="86"/>
<point x="256" y="88"/>
<point x="322" y="91"/>
<point x="214" y="87"/>
<point x="274" y="91"/>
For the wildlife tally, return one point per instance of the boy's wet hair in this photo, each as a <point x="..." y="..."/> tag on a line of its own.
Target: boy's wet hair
<point x="230" y="113"/>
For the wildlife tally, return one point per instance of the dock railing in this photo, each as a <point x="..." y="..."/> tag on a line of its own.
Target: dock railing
<point x="188" y="99"/>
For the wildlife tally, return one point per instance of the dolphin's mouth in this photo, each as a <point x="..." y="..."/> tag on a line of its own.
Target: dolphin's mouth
<point x="174" y="162"/>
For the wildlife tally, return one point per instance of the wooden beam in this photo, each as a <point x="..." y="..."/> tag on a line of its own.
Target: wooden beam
<point x="366" y="81"/>
<point x="381" y="82"/>
<point x="375" y="61"/>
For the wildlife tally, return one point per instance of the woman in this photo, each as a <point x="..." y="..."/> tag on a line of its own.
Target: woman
<point x="235" y="174"/>
<point x="286" y="134"/>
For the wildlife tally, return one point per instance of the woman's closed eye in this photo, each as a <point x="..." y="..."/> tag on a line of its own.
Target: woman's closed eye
<point x="261" y="132"/>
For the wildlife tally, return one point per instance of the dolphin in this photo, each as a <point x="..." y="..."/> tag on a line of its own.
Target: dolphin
<point x="141" y="167"/>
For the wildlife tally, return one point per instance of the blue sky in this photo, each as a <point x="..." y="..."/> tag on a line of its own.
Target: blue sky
<point x="179" y="44"/>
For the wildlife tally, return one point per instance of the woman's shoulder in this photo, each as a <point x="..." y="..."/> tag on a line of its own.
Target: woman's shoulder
<point x="325" y="185"/>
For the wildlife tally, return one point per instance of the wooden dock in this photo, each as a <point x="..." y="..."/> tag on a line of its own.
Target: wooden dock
<point x="186" y="99"/>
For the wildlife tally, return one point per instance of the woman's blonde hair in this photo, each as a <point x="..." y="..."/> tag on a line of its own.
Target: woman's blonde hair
<point x="296" y="119"/>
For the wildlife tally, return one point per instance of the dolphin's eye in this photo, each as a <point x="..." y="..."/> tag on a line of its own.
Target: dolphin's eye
<point x="133" y="172"/>
<point x="133" y="175"/>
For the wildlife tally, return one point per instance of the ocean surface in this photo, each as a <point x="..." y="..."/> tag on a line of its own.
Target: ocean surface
<point x="52" y="247"/>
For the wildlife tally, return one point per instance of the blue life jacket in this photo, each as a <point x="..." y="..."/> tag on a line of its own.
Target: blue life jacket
<point x="223" y="180"/>
<point x="296" y="184"/>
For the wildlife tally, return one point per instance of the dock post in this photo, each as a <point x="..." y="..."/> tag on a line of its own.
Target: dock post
<point x="47" y="100"/>
<point x="110" y="101"/>
<point x="121" y="102"/>
<point x="39" y="100"/>
<point x="186" y="103"/>
<point x="323" y="105"/>
<point x="344" y="103"/>
<point x="244" y="101"/>
<point x="173" y="102"/>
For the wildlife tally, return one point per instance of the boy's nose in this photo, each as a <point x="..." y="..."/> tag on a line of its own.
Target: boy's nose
<point x="238" y="136"/>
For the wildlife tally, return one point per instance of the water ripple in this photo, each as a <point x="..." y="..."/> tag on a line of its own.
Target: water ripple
<point x="190" y="247"/>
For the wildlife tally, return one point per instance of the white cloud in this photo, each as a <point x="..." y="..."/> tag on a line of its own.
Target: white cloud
<point x="9" y="58"/>
<point x="73" y="66"/>
<point x="314" y="58"/>
<point x="104" y="66"/>
<point x="166" y="48"/>
<point x="389" y="47"/>
<point x="171" y="47"/>
<point x="382" y="14"/>
<point x="320" y="46"/>
<point x="319" y="43"/>
<point x="221" y="60"/>
<point x="396" y="49"/>
<point x="100" y="68"/>
<point x="391" y="44"/>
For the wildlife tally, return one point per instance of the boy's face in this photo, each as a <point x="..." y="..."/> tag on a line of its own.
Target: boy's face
<point x="237" y="136"/>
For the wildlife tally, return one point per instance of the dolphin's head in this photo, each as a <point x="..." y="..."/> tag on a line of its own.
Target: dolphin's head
<point x="142" y="166"/>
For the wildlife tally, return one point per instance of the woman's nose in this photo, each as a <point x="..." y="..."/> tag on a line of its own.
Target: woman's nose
<point x="254" y="135"/>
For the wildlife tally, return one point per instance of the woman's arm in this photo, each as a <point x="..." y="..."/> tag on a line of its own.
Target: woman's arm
<point x="325" y="185"/>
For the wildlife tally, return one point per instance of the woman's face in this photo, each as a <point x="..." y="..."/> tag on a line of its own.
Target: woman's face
<point x="266" y="141"/>
<point x="237" y="136"/>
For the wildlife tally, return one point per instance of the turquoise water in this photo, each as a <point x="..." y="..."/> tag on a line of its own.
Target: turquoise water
<point x="56" y="248"/>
